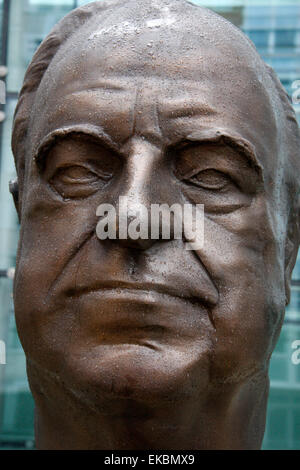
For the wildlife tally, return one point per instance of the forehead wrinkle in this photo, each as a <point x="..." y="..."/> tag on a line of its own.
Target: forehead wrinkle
<point x="93" y="90"/>
<point x="181" y="108"/>
<point x="105" y="88"/>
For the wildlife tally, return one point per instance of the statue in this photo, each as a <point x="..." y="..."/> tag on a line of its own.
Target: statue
<point x="136" y="343"/>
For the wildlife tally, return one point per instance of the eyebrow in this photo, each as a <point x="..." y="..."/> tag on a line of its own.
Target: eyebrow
<point x="88" y="130"/>
<point x="232" y="139"/>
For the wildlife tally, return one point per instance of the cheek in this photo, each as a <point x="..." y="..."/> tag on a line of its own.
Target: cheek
<point x="247" y="264"/>
<point x="52" y="233"/>
<point x="247" y="322"/>
<point x="50" y="239"/>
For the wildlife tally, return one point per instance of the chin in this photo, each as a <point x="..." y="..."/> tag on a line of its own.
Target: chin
<point x="136" y="372"/>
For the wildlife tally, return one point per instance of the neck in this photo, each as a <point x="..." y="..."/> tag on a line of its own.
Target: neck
<point x="231" y="418"/>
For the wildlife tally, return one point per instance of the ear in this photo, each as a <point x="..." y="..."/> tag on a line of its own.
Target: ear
<point x="14" y="190"/>
<point x="291" y="249"/>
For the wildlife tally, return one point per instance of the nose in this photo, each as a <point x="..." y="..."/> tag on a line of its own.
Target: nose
<point x="142" y="188"/>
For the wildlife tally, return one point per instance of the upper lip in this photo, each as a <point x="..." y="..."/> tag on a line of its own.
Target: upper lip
<point x="145" y="286"/>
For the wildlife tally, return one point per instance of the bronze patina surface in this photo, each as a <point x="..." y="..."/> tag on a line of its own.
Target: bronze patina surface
<point x="135" y="344"/>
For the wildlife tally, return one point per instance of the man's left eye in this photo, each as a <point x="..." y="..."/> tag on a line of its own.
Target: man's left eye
<point x="210" y="179"/>
<point x="76" y="174"/>
<point x="78" y="181"/>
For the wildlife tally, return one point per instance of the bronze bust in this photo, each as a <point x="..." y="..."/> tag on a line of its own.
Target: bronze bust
<point x="143" y="344"/>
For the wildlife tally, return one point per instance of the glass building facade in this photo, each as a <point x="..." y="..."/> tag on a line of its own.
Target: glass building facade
<point x="274" y="27"/>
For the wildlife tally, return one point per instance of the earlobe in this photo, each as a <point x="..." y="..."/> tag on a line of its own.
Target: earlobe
<point x="14" y="190"/>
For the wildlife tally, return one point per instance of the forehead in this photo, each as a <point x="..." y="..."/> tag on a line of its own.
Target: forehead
<point x="210" y="76"/>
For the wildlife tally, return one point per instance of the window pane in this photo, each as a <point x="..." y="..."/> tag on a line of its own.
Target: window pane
<point x="285" y="38"/>
<point x="30" y="22"/>
<point x="260" y="37"/>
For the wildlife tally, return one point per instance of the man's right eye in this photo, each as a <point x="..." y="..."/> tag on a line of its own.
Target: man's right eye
<point x="77" y="181"/>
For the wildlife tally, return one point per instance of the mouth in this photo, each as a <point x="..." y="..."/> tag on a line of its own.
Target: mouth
<point x="121" y="288"/>
<point x="148" y="307"/>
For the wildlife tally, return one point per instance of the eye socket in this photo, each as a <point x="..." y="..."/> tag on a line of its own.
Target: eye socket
<point x="211" y="179"/>
<point x="219" y="193"/>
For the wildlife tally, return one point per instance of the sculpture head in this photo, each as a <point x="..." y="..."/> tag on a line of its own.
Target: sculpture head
<point x="148" y="344"/>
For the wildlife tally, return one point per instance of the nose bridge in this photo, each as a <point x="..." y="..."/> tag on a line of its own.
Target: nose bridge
<point x="142" y="164"/>
<point x="139" y="190"/>
<point x="144" y="149"/>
